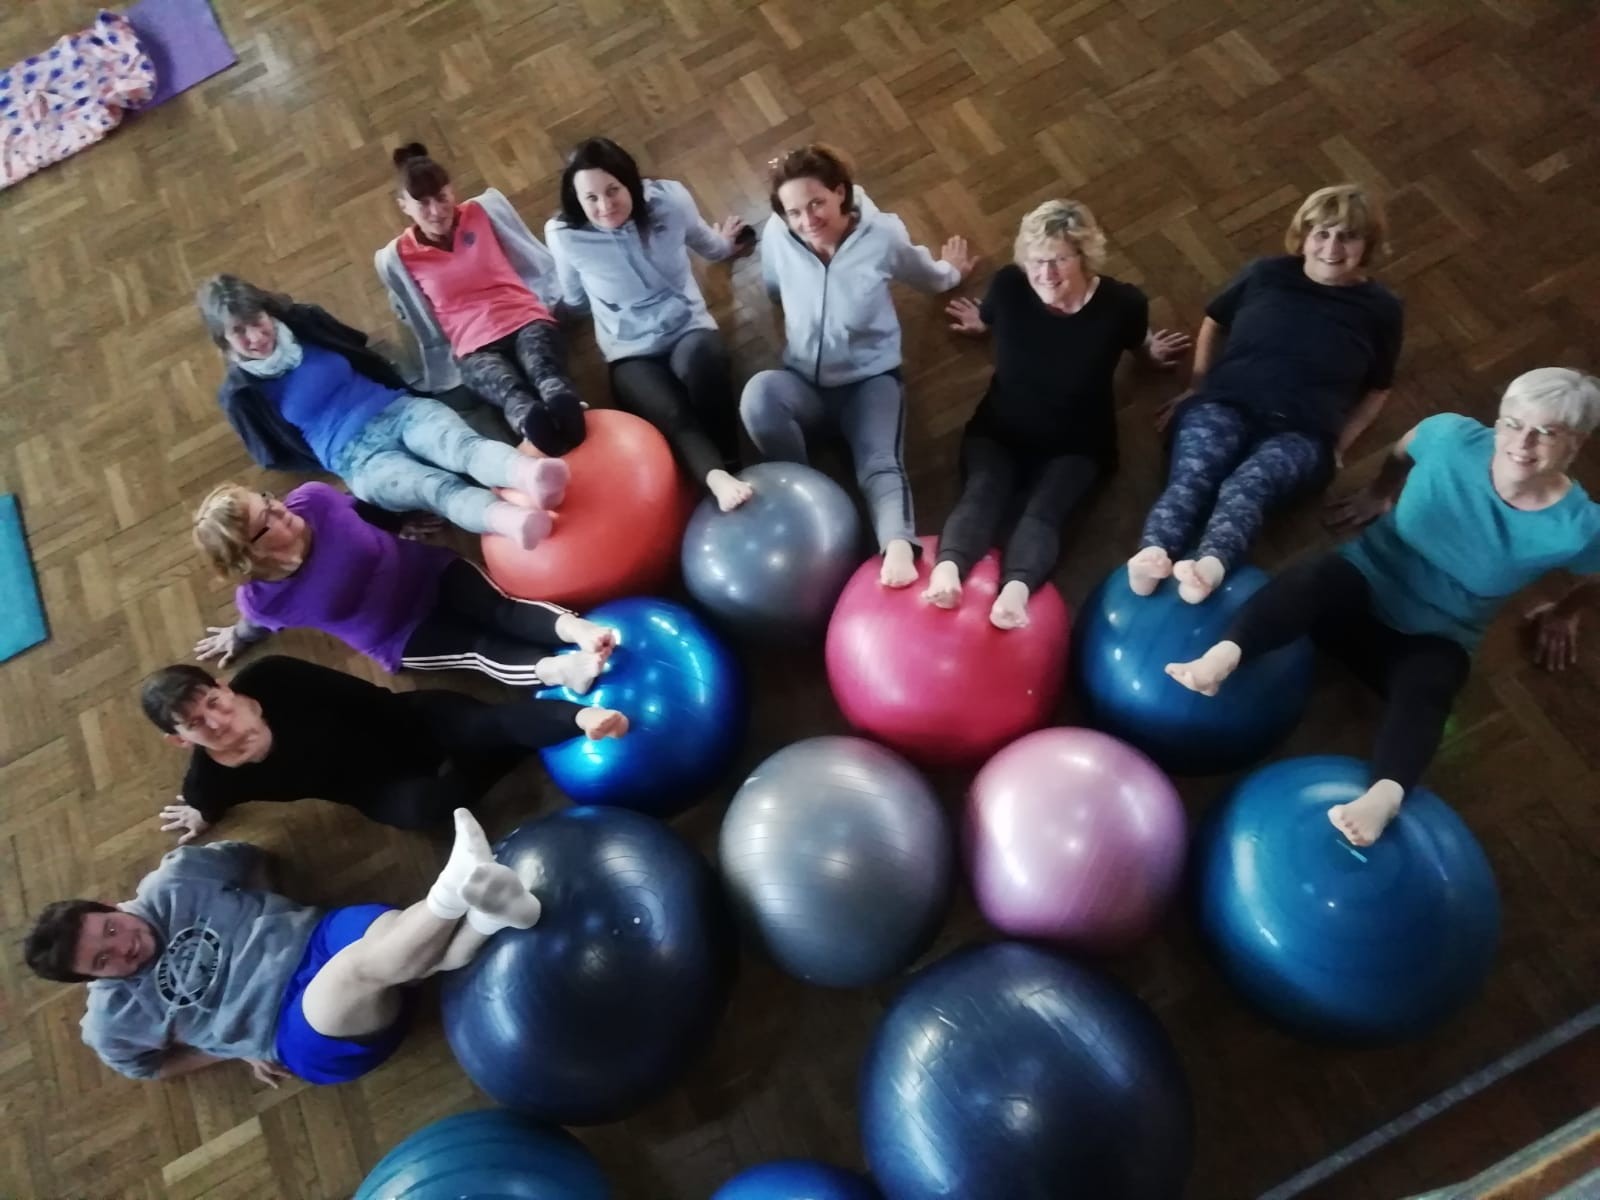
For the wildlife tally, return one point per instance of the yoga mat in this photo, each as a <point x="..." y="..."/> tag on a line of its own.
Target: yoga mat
<point x="184" y="41"/>
<point x="21" y="613"/>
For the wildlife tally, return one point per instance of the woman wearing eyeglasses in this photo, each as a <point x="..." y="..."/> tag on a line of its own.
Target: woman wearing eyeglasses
<point x="319" y="560"/>
<point x="1461" y="518"/>
<point x="1046" y="430"/>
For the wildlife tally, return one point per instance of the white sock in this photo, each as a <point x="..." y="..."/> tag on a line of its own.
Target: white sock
<point x="470" y="850"/>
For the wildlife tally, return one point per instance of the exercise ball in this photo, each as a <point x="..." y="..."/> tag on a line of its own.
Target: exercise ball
<point x="1344" y="944"/>
<point x="774" y="566"/>
<point x="494" y="1153"/>
<point x="796" y="1179"/>
<point x="598" y="1008"/>
<point x="616" y="532"/>
<point x="1122" y="645"/>
<point x="944" y="687"/>
<point x="1074" y="837"/>
<point x="683" y="693"/>
<point x="836" y="855"/>
<point x="1005" y="1072"/>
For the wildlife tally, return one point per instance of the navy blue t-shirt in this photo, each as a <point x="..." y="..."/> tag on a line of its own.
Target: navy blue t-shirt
<point x="1301" y="354"/>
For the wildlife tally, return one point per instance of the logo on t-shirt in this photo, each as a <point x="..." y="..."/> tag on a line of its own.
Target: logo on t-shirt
<point x="470" y="238"/>
<point x="188" y="966"/>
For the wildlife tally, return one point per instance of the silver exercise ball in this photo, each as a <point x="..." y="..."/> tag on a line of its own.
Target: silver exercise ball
<point x="774" y="566"/>
<point x="837" y="857"/>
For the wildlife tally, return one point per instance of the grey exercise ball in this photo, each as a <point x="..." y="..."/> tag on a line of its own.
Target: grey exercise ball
<point x="774" y="566"/>
<point x="837" y="857"/>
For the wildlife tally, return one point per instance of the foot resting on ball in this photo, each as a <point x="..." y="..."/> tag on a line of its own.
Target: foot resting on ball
<point x="525" y="526"/>
<point x="899" y="565"/>
<point x="1010" y="608"/>
<point x="587" y="635"/>
<point x="575" y="672"/>
<point x="543" y="481"/>
<point x="599" y="723"/>
<point x="729" y="491"/>
<point x="1208" y="672"/>
<point x="1147" y="569"/>
<point x="469" y="852"/>
<point x="1198" y="577"/>
<point x="496" y="899"/>
<point x="944" y="586"/>
<point x="1364" y="819"/>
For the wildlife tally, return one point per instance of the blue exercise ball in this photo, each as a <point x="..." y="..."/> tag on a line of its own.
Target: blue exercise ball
<point x="1123" y="644"/>
<point x="493" y="1153"/>
<point x="774" y="566"/>
<point x="683" y="693"/>
<point x="797" y="1179"/>
<point x="1006" y="1072"/>
<point x="1342" y="944"/>
<point x="598" y="1008"/>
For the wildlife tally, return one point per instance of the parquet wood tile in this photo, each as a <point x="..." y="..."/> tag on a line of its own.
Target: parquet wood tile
<point x="1192" y="127"/>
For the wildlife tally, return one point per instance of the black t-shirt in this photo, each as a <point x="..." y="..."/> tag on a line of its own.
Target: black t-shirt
<point x="1302" y="354"/>
<point x="334" y="737"/>
<point x="1052" y="390"/>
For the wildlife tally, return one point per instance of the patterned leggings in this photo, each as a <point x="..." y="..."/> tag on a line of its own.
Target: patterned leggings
<point x="525" y="375"/>
<point x="1220" y="463"/>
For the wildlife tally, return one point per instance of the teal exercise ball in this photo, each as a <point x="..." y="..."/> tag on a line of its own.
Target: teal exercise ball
<point x="487" y="1154"/>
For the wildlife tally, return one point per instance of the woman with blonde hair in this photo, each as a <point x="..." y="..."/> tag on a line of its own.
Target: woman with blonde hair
<point x="1294" y="360"/>
<point x="1045" y="432"/>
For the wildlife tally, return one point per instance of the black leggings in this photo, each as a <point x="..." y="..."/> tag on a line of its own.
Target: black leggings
<point x="474" y="626"/>
<point x="1038" y="493"/>
<point x="524" y="374"/>
<point x="686" y="394"/>
<point x="1417" y="674"/>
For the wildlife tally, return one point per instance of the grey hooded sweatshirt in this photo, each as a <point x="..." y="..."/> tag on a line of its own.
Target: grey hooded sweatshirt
<point x="227" y="956"/>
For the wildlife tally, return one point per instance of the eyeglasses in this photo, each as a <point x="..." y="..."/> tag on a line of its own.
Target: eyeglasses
<point x="1061" y="262"/>
<point x="1541" y="433"/>
<point x="275" y="508"/>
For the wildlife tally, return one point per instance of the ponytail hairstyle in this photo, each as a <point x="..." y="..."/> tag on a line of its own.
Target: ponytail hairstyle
<point x="602" y="154"/>
<point x="818" y="161"/>
<point x="417" y="174"/>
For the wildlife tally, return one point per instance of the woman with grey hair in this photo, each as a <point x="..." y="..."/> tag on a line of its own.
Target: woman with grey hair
<point x="1462" y="517"/>
<point x="1045" y="432"/>
<point x="305" y="393"/>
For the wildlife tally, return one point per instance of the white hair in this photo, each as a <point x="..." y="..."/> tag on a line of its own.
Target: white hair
<point x="1560" y="394"/>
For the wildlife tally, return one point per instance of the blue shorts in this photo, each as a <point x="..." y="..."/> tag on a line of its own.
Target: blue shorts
<point x="314" y="1056"/>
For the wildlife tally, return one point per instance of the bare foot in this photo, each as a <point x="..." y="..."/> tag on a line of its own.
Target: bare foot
<point x="1364" y="819"/>
<point x="1208" y="672"/>
<point x="575" y="672"/>
<point x="1198" y="577"/>
<point x="944" y="586"/>
<point x="525" y="526"/>
<point x="586" y="635"/>
<point x="469" y="852"/>
<point x="599" y="723"/>
<point x="1147" y="569"/>
<point x="729" y="491"/>
<point x="1010" y="607"/>
<point x="496" y="899"/>
<point x="899" y="565"/>
<point x="543" y="480"/>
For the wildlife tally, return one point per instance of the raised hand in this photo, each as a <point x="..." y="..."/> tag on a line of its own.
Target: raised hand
<point x="1167" y="346"/>
<point x="1359" y="509"/>
<point x="734" y="230"/>
<point x="1555" y="636"/>
<point x="221" y="643"/>
<point x="183" y="819"/>
<point x="964" y="318"/>
<point x="957" y="254"/>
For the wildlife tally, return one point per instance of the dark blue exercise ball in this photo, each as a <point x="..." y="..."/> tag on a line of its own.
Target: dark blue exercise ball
<point x="598" y="1008"/>
<point x="494" y="1153"/>
<point x="683" y="693"/>
<point x="797" y="1179"/>
<point x="1006" y="1072"/>
<point x="1344" y="944"/>
<point x="1123" y="644"/>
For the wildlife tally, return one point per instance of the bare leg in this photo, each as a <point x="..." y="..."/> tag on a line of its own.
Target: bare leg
<point x="1364" y="819"/>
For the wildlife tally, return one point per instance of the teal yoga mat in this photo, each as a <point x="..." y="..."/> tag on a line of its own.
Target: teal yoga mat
<point x="22" y="621"/>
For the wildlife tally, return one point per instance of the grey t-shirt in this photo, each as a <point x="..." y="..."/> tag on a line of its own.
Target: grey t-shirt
<point x="227" y="956"/>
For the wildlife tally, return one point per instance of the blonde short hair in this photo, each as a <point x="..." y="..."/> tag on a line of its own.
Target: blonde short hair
<point x="1067" y="221"/>
<point x="222" y="532"/>
<point x="1564" y="396"/>
<point x="1347" y="204"/>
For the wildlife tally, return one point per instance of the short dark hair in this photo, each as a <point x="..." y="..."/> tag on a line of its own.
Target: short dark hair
<point x="223" y="299"/>
<point x="53" y="940"/>
<point x="419" y="176"/>
<point x="602" y="154"/>
<point x="163" y="695"/>
<point x="818" y="161"/>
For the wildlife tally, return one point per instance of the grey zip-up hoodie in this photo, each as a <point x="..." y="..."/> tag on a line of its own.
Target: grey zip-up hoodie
<point x="839" y="319"/>
<point x="642" y="294"/>
<point x="216" y="984"/>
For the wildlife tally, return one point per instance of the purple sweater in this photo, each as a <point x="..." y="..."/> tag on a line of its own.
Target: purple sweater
<point x="366" y="587"/>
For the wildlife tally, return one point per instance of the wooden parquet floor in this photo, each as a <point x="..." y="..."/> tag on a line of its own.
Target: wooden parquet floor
<point x="1192" y="127"/>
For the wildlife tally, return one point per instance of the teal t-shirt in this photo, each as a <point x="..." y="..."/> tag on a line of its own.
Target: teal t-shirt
<point x="1451" y="551"/>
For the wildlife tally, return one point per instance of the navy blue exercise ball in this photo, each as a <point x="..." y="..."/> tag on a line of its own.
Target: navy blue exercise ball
<point x="1123" y="644"/>
<point x="598" y="1008"/>
<point x="1006" y="1072"/>
<point x="796" y="1179"/>
<point x="493" y="1153"/>
<point x="683" y="693"/>
<point x="1344" y="944"/>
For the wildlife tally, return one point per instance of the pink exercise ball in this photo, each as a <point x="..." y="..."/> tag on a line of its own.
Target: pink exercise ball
<point x="944" y="687"/>
<point x="1075" y="837"/>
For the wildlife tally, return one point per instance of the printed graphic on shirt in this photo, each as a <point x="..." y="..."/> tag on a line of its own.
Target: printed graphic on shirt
<point x="188" y="966"/>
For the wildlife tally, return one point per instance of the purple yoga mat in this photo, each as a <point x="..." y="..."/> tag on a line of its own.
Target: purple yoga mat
<point x="183" y="40"/>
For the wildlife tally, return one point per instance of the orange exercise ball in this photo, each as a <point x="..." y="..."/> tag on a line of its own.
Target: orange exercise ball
<point x="618" y="531"/>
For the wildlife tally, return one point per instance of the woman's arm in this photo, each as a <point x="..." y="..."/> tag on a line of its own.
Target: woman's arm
<point x="574" y="297"/>
<point x="226" y="642"/>
<point x="1207" y="345"/>
<point x="1555" y="624"/>
<point x="1365" y="505"/>
<point x="184" y="1060"/>
<point x="1364" y="415"/>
